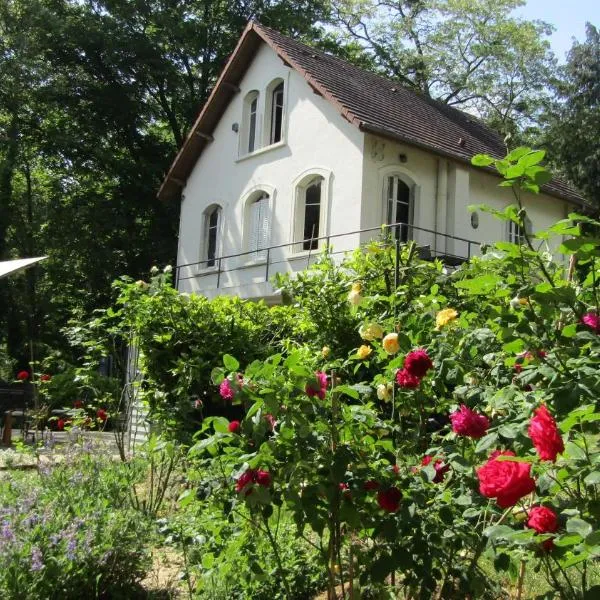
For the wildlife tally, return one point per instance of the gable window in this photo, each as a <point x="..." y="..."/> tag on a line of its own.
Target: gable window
<point x="250" y="121"/>
<point x="212" y="222"/>
<point x="276" y="114"/>
<point x="398" y="205"/>
<point x="516" y="233"/>
<point x="258" y="226"/>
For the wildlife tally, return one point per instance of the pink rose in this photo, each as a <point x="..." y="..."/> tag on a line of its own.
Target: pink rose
<point x="507" y="481"/>
<point x="544" y="434"/>
<point x="407" y="380"/>
<point x="225" y="390"/>
<point x="469" y="423"/>
<point x="319" y="387"/>
<point x="592" y="320"/>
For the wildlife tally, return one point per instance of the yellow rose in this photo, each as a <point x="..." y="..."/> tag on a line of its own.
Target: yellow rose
<point x="371" y="331"/>
<point x="326" y="351"/>
<point x="364" y="352"/>
<point x="390" y="343"/>
<point x="444" y="317"/>
<point x="355" y="298"/>
<point x="384" y="391"/>
<point x="357" y="286"/>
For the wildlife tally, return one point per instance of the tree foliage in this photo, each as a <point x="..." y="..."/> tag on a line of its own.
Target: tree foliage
<point x="574" y="119"/>
<point x="467" y="53"/>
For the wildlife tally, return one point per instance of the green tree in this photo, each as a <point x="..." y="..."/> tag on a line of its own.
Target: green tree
<point x="467" y="53"/>
<point x="573" y="121"/>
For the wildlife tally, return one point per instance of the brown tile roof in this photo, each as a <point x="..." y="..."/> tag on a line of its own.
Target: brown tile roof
<point x="370" y="102"/>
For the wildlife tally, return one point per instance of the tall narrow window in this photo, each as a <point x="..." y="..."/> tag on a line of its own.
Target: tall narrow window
<point x="276" y="114"/>
<point x="312" y="214"/>
<point x="252" y="124"/>
<point x="211" y="235"/>
<point x="258" y="235"/>
<point x="516" y="234"/>
<point x="398" y="206"/>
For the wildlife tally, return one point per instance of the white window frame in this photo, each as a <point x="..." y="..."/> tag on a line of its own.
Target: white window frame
<point x="414" y="194"/>
<point x="300" y="185"/>
<point x="514" y="233"/>
<point x="249" y="198"/>
<point x="250" y="98"/>
<point x="268" y="112"/>
<point x="208" y="212"/>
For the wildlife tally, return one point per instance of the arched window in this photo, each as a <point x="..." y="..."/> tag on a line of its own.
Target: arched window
<point x="212" y="223"/>
<point x="258" y="222"/>
<point x="309" y="205"/>
<point x="516" y="235"/>
<point x="250" y="122"/>
<point x="276" y="114"/>
<point x="399" y="209"/>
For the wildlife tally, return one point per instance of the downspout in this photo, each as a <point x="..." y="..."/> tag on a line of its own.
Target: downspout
<point x="441" y="201"/>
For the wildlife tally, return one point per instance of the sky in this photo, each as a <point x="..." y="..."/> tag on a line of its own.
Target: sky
<point x="567" y="16"/>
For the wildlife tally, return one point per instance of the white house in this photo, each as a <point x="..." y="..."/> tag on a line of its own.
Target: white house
<point x="296" y="149"/>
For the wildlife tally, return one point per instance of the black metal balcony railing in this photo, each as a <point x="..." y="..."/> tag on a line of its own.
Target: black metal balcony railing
<point x="267" y="259"/>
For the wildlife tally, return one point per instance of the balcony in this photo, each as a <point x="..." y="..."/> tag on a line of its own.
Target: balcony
<point x="248" y="274"/>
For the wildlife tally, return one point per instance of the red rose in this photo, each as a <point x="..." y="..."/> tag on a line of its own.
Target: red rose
<point x="263" y="478"/>
<point x="396" y="469"/>
<point x="518" y="367"/>
<point x="542" y="519"/>
<point x="370" y="485"/>
<point x="45" y="377"/>
<point x="244" y="480"/>
<point x="544" y="434"/>
<point x="23" y="375"/>
<point x="507" y="481"/>
<point x="417" y="363"/>
<point x="78" y="404"/>
<point x="60" y="424"/>
<point x="389" y="499"/>
<point x="440" y="468"/>
<point x="318" y="387"/>
<point x="469" y="423"/>
<point x="234" y="427"/>
<point x="345" y="489"/>
<point x="102" y="414"/>
<point x="406" y="380"/>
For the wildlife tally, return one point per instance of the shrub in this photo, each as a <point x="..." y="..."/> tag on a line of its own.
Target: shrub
<point x="69" y="532"/>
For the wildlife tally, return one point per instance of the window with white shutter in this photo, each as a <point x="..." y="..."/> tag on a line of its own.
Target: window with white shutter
<point x="398" y="206"/>
<point x="259" y="227"/>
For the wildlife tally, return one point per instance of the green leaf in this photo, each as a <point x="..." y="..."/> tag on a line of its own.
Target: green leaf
<point x="577" y="525"/>
<point x="531" y="159"/>
<point x="593" y="478"/>
<point x="221" y="425"/>
<point x="231" y="364"/>
<point x="486" y="442"/>
<point x="482" y="160"/>
<point x="517" y="153"/>
<point x="498" y="531"/>
<point x="567" y="539"/>
<point x="515" y="171"/>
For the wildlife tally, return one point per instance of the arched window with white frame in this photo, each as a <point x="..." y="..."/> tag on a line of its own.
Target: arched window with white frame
<point x="276" y="113"/>
<point x="516" y="233"/>
<point x="210" y="239"/>
<point x="399" y="209"/>
<point x="250" y="123"/>
<point x="258" y="225"/>
<point x="309" y="213"/>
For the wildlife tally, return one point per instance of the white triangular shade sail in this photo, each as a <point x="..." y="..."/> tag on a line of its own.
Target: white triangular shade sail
<point x="12" y="266"/>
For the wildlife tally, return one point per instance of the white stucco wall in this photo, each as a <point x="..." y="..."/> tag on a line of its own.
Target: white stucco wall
<point x="444" y="191"/>
<point x="315" y="138"/>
